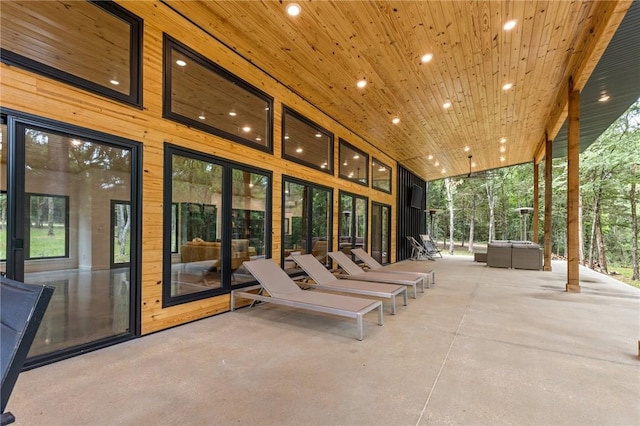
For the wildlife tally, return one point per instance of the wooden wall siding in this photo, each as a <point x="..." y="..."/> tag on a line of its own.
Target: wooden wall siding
<point x="324" y="51"/>
<point x="410" y="221"/>
<point x="31" y="93"/>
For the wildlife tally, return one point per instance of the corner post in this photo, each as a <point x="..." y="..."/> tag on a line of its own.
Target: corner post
<point x="573" y="189"/>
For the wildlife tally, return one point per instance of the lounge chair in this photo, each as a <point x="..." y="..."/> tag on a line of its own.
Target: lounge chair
<point x="418" y="252"/>
<point x="429" y="275"/>
<point x="429" y="245"/>
<point x="284" y="291"/>
<point x="353" y="271"/>
<point x="325" y="280"/>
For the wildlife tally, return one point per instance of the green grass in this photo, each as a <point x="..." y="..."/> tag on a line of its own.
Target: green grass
<point x="40" y="244"/>
<point x="43" y="245"/>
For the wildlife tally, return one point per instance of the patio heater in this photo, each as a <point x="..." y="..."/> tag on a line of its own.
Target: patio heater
<point x="432" y="214"/>
<point x="524" y="213"/>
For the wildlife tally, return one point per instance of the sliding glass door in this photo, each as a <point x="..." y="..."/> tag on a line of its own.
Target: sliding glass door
<point x="56" y="206"/>
<point x="306" y="224"/>
<point x="380" y="231"/>
<point x="352" y="225"/>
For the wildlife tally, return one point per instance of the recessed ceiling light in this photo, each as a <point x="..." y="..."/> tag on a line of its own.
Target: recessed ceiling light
<point x="503" y="140"/>
<point x="293" y="9"/>
<point x="251" y="185"/>
<point x="473" y="164"/>
<point x="345" y="163"/>
<point x="382" y="169"/>
<point x="232" y="113"/>
<point x="114" y="82"/>
<point x="298" y="150"/>
<point x="430" y="157"/>
<point x="446" y="105"/>
<point x="181" y="63"/>
<point x="426" y="58"/>
<point x="75" y="142"/>
<point x="351" y="174"/>
<point x="509" y="25"/>
<point x="437" y="163"/>
<point x="318" y="135"/>
<point x="246" y="129"/>
<point x="395" y="120"/>
<point x="361" y="83"/>
<point x="507" y="86"/>
<point x="603" y="98"/>
<point x="258" y="138"/>
<point x="503" y="148"/>
<point x="355" y="157"/>
<point x="502" y="158"/>
<point x="201" y="117"/>
<point x="286" y="137"/>
<point x="444" y="171"/>
<point x="466" y="149"/>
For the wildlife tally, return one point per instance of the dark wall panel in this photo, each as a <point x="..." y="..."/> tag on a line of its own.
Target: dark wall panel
<point x="411" y="220"/>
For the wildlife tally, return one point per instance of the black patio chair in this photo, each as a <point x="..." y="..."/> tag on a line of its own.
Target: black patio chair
<point x="22" y="307"/>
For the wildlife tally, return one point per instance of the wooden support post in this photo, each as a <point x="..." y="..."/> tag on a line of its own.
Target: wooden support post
<point x="536" y="204"/>
<point x="548" y="191"/>
<point x="573" y="188"/>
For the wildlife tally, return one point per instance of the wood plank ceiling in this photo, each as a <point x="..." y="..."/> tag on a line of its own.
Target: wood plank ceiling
<point x="324" y="51"/>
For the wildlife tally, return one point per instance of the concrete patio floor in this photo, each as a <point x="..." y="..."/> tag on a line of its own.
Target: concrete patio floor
<point x="484" y="346"/>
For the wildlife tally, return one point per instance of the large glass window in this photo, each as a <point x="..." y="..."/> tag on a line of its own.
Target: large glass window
<point x="199" y="93"/>
<point x="352" y="225"/>
<point x="93" y="45"/>
<point x="248" y="226"/>
<point x="380" y="176"/>
<point x="120" y="233"/>
<point x="380" y="232"/>
<point x="307" y="219"/>
<point x="48" y="233"/>
<point x="306" y="142"/>
<point x="354" y="164"/>
<point x="60" y="187"/>
<point x="219" y="215"/>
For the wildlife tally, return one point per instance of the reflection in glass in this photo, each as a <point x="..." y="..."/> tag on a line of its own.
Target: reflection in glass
<point x="352" y="226"/>
<point x="354" y="164"/>
<point x="380" y="232"/>
<point x="380" y="176"/>
<point x="47" y="235"/>
<point x="197" y="193"/>
<point x="205" y="96"/>
<point x="73" y="180"/>
<point x="83" y="42"/>
<point x="121" y="232"/>
<point x="248" y="232"/>
<point x="307" y="221"/>
<point x="307" y="143"/>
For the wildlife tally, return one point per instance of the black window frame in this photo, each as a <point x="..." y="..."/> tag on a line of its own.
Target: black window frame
<point x="134" y="97"/>
<point x="376" y="163"/>
<point x="226" y="213"/>
<point x="27" y="231"/>
<point x="354" y="220"/>
<point x="169" y="44"/>
<point x="112" y="236"/>
<point x="329" y="166"/>
<point x="345" y="144"/>
<point x="309" y="223"/>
